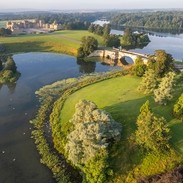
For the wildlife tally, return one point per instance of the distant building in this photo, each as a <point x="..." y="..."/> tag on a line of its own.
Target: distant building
<point x="32" y="24"/>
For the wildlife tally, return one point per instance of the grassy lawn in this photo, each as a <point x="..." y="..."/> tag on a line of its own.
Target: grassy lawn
<point x="61" y="42"/>
<point x="119" y="97"/>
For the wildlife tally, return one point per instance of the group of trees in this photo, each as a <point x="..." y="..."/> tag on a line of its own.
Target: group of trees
<point x="5" y="32"/>
<point x="87" y="146"/>
<point x="130" y="39"/>
<point x="161" y="20"/>
<point x="160" y="62"/>
<point x="8" y="69"/>
<point x="88" y="45"/>
<point x="100" y="30"/>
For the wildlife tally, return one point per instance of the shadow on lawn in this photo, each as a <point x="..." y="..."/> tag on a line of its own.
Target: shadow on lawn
<point x="26" y="47"/>
<point x="177" y="135"/>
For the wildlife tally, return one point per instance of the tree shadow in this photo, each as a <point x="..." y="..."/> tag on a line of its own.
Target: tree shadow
<point x="177" y="135"/>
<point x="28" y="46"/>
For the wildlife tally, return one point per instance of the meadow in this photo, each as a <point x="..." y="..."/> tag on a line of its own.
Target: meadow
<point x="119" y="97"/>
<point x="65" y="41"/>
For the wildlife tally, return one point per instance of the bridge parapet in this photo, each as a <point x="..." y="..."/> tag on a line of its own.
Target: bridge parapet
<point x="118" y="55"/>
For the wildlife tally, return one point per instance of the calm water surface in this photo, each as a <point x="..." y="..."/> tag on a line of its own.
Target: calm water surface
<point x="19" y="160"/>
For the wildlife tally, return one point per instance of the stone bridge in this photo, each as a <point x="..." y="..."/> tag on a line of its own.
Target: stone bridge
<point x="116" y="56"/>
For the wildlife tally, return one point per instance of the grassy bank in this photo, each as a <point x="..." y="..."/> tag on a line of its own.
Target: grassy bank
<point x="119" y="97"/>
<point x="66" y="41"/>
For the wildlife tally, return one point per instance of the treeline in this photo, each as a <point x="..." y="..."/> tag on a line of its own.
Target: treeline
<point x="170" y="20"/>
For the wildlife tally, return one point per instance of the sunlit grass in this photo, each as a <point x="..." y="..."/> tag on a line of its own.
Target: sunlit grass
<point x="61" y="42"/>
<point x="120" y="97"/>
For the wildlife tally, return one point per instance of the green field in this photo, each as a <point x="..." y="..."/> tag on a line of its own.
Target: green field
<point x="66" y="41"/>
<point x="119" y="97"/>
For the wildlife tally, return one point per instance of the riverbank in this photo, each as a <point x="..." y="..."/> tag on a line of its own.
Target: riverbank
<point x="65" y="41"/>
<point x="123" y="102"/>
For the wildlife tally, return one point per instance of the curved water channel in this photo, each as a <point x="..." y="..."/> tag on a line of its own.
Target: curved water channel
<point x="19" y="159"/>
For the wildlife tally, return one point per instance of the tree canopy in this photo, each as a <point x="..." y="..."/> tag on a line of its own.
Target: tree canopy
<point x="88" y="45"/>
<point x="152" y="132"/>
<point x="94" y="130"/>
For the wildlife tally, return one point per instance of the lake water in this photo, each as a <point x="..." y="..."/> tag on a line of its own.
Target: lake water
<point x="19" y="159"/>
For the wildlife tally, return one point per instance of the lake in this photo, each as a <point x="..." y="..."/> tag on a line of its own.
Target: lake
<point x="19" y="159"/>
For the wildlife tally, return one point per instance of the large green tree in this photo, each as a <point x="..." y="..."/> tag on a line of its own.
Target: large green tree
<point x="112" y="41"/>
<point x="88" y="45"/>
<point x="10" y="64"/>
<point x="148" y="83"/>
<point x="152" y="132"/>
<point x="139" y="67"/>
<point x="161" y="62"/>
<point x="94" y="130"/>
<point x="164" y="91"/>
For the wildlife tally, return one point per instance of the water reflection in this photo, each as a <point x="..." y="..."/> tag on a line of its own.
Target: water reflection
<point x="86" y="67"/>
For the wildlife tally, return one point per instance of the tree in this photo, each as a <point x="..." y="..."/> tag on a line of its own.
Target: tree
<point x="5" y="32"/>
<point x="10" y="65"/>
<point x="94" y="130"/>
<point x="88" y="45"/>
<point x="161" y="62"/>
<point x="163" y="93"/>
<point x="148" y="83"/>
<point x="106" y="29"/>
<point x="178" y="108"/>
<point x="139" y="67"/>
<point x="112" y="41"/>
<point x="127" y="38"/>
<point x="152" y="133"/>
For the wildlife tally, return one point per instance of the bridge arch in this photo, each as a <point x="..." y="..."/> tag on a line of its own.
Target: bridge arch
<point x="126" y="60"/>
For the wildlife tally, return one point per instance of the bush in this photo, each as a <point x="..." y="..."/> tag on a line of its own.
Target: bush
<point x="178" y="108"/>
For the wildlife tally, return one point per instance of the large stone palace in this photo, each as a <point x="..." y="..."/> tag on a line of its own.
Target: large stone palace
<point x="32" y="24"/>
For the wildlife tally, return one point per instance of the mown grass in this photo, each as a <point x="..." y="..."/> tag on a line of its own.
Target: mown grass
<point x="119" y="97"/>
<point x="66" y="41"/>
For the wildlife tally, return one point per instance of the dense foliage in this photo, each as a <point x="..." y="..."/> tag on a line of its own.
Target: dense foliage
<point x="148" y="82"/>
<point x="112" y="41"/>
<point x="161" y="62"/>
<point x="152" y="132"/>
<point x="159" y="20"/>
<point x="8" y="69"/>
<point x="5" y="32"/>
<point x="164" y="91"/>
<point x="100" y="30"/>
<point x="93" y="131"/>
<point x="178" y="108"/>
<point x="88" y="45"/>
<point x="139" y="67"/>
<point x="130" y="39"/>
